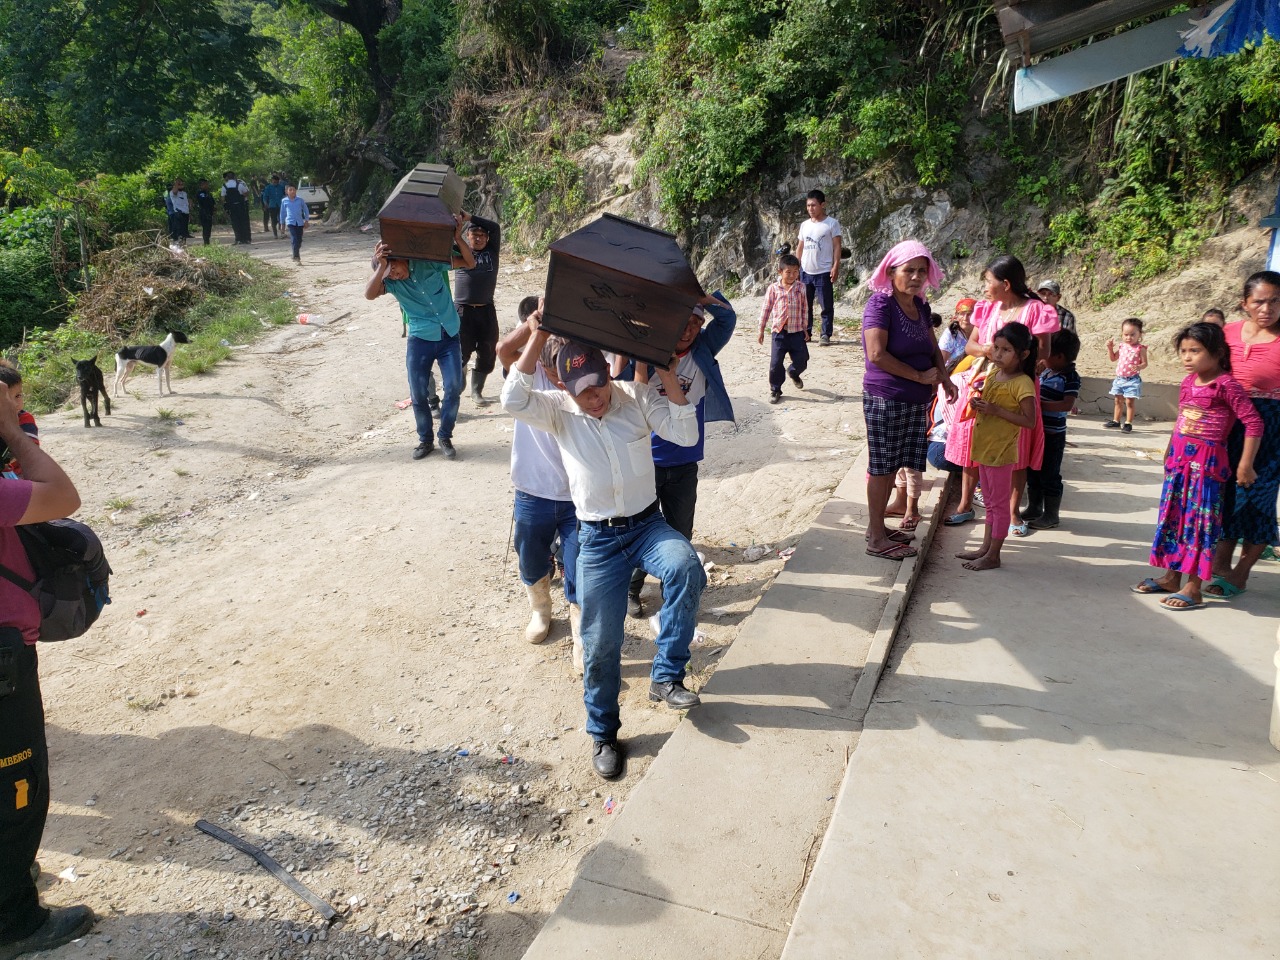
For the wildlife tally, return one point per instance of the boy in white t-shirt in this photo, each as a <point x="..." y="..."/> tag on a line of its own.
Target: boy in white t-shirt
<point x="819" y="253"/>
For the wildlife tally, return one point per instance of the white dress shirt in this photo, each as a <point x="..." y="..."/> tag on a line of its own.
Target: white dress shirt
<point x="609" y="460"/>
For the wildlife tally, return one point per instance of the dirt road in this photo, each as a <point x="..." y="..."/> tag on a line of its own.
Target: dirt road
<point x="316" y="642"/>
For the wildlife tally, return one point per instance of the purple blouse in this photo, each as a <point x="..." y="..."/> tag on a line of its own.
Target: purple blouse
<point x="910" y="341"/>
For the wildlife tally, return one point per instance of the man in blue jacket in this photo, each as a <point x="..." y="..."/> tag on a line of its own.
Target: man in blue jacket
<point x="676" y="467"/>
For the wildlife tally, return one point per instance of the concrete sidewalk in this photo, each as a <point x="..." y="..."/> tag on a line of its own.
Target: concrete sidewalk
<point x="709" y="856"/>
<point x="1056" y="767"/>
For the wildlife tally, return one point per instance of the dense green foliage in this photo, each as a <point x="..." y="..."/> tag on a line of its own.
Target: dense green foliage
<point x="725" y="97"/>
<point x="29" y="294"/>
<point x="1157" y="167"/>
<point x="733" y="86"/>
<point x="94" y="84"/>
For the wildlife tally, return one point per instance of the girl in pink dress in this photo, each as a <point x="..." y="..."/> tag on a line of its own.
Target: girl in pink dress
<point x="1009" y="300"/>
<point x="1196" y="467"/>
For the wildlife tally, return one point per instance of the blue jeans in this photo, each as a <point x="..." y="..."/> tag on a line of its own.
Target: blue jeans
<point x="606" y="557"/>
<point x="419" y="355"/>
<point x="937" y="457"/>
<point x="537" y="520"/>
<point x="1130" y="387"/>
<point x="295" y="235"/>
<point x="819" y="284"/>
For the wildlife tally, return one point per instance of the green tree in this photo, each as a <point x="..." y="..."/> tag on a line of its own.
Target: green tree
<point x="331" y="103"/>
<point x="94" y="84"/>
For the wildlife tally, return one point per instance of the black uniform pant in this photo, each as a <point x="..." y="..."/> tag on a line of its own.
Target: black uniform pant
<point x="238" y="214"/>
<point x="478" y="334"/>
<point x="24" y="786"/>
<point x="677" y="489"/>
<point x="206" y="227"/>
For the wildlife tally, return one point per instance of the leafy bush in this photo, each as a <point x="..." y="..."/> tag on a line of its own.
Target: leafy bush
<point x="203" y="148"/>
<point x="134" y="201"/>
<point x="33" y="228"/>
<point x="542" y="189"/>
<point x="29" y="294"/>
<point x="733" y="87"/>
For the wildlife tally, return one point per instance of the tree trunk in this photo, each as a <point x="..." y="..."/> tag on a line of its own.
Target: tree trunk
<point x="367" y="18"/>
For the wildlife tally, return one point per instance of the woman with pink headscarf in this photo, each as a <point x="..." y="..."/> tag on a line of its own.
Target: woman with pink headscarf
<point x="904" y="367"/>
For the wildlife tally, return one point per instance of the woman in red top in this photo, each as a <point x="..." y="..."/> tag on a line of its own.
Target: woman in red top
<point x="1250" y="513"/>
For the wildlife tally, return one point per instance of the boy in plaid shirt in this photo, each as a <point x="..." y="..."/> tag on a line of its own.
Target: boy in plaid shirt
<point x="786" y="315"/>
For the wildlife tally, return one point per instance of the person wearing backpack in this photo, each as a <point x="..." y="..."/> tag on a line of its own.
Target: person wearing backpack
<point x="235" y="194"/>
<point x="45" y="493"/>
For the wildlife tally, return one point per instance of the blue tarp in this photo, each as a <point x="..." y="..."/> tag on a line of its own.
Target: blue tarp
<point x="1230" y="27"/>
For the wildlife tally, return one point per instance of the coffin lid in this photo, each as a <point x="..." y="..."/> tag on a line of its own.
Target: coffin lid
<point x="621" y="286"/>
<point x="430" y="180"/>
<point x="633" y="248"/>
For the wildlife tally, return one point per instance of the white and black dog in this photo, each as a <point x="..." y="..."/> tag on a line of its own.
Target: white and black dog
<point x="160" y="357"/>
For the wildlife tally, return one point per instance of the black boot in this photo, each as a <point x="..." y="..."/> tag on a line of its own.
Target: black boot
<point x="477" y="384"/>
<point x="63" y="925"/>
<point x="1035" y="504"/>
<point x="1049" y="518"/>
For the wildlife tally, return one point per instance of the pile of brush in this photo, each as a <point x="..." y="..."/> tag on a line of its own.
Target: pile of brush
<point x="143" y="283"/>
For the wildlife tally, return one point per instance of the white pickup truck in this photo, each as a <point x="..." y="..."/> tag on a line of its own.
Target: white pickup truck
<point x="317" y="198"/>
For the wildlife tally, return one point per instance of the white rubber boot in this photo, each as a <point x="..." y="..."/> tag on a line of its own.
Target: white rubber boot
<point x="540" y="602"/>
<point x="575" y="625"/>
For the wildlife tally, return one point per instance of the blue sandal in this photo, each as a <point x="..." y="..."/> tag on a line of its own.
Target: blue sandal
<point x="1227" y="588"/>
<point x="956" y="519"/>
<point x="1187" y="602"/>
<point x="1150" y="585"/>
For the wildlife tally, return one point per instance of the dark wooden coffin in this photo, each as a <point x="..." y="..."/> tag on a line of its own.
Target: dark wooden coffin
<point x="417" y="221"/>
<point x="621" y="286"/>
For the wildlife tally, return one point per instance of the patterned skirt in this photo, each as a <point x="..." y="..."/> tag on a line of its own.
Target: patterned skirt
<point x="960" y="437"/>
<point x="1250" y="512"/>
<point x="897" y="435"/>
<point x="1190" y="523"/>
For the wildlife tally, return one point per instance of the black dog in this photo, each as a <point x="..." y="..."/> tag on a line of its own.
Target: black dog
<point x="91" y="384"/>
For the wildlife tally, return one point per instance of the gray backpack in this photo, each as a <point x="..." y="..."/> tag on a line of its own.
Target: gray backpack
<point x="72" y="576"/>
